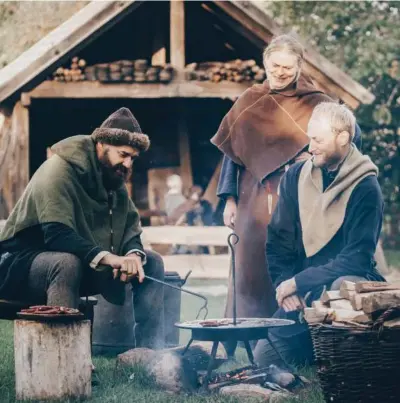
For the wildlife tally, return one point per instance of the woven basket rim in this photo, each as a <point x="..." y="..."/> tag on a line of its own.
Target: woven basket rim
<point x="344" y="327"/>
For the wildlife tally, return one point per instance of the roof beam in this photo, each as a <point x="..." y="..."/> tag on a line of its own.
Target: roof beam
<point x="175" y="89"/>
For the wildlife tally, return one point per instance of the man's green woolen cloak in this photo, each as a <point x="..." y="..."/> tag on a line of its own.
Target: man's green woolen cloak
<point x="68" y="189"/>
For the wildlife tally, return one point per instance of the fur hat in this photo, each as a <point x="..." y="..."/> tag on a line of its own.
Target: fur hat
<point x="122" y="129"/>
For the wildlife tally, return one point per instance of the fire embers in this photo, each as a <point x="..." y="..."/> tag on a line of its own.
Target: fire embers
<point x="272" y="378"/>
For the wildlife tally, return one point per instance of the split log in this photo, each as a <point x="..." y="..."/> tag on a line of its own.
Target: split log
<point x="339" y="315"/>
<point x="341" y="304"/>
<point x="348" y="285"/>
<point x="312" y="315"/>
<point x="372" y="286"/>
<point x="319" y="306"/>
<point x="392" y="323"/>
<point x="356" y="301"/>
<point x="329" y="296"/>
<point x="378" y="301"/>
<point x="52" y="360"/>
<point x="347" y="294"/>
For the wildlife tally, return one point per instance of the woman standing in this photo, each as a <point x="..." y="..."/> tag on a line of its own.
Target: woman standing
<point x="262" y="134"/>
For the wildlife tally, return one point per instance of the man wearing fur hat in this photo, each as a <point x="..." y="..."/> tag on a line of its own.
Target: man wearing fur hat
<point x="324" y="229"/>
<point x="75" y="230"/>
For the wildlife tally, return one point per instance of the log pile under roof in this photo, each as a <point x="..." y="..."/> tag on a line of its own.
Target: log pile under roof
<point x="236" y="71"/>
<point x="141" y="71"/>
<point x="121" y="71"/>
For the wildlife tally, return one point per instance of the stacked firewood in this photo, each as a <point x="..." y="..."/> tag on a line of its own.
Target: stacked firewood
<point x="357" y="304"/>
<point x="129" y="71"/>
<point x="122" y="71"/>
<point x="74" y="72"/>
<point x="236" y="71"/>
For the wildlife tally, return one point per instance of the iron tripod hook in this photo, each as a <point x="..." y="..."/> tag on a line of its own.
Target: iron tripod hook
<point x="233" y="239"/>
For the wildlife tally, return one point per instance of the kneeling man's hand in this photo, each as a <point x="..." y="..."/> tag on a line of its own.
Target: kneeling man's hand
<point x="293" y="303"/>
<point x="285" y="289"/>
<point x="126" y="267"/>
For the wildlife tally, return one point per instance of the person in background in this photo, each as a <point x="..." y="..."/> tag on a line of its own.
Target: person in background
<point x="174" y="196"/>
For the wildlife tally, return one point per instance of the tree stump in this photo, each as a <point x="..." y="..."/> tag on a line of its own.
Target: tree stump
<point x="52" y="360"/>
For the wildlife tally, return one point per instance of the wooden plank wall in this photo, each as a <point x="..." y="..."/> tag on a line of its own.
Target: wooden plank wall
<point x="14" y="156"/>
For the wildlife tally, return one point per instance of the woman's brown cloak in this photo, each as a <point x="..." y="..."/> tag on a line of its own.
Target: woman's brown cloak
<point x="263" y="133"/>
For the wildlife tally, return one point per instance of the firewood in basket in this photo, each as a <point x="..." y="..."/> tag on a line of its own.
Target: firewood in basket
<point x="373" y="286"/>
<point x="328" y="296"/>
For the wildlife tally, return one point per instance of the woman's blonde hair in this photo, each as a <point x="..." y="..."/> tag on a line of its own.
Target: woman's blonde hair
<point x="285" y="43"/>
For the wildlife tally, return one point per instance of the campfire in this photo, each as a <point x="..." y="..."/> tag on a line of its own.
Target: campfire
<point x="190" y="368"/>
<point x="188" y="373"/>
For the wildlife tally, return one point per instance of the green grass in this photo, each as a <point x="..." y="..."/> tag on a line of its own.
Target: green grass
<point x="141" y="388"/>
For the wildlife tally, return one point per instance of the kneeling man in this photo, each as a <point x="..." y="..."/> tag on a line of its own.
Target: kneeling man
<point x="324" y="229"/>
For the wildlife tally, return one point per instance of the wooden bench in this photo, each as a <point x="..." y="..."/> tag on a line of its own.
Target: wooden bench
<point x="202" y="265"/>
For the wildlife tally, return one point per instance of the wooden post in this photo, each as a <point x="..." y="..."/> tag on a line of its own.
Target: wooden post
<point x="177" y="33"/>
<point x="184" y="154"/>
<point x="52" y="360"/>
<point x="211" y="192"/>
<point x="159" y="57"/>
<point x="14" y="156"/>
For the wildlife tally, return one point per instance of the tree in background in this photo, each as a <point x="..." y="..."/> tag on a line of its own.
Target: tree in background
<point x="363" y="39"/>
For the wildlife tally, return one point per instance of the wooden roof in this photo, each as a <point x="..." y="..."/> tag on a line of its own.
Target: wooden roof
<point x="245" y="17"/>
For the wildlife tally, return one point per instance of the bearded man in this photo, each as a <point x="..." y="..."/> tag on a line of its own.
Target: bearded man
<point x="324" y="229"/>
<point x="75" y="231"/>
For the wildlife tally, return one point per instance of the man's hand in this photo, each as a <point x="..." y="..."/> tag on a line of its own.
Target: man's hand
<point x="230" y="212"/>
<point x="285" y="289"/>
<point x="293" y="303"/>
<point x="126" y="267"/>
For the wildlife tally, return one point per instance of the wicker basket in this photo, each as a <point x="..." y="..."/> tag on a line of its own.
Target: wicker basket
<point x="357" y="365"/>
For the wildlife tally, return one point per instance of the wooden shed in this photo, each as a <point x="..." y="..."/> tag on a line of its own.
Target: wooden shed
<point x="180" y="116"/>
